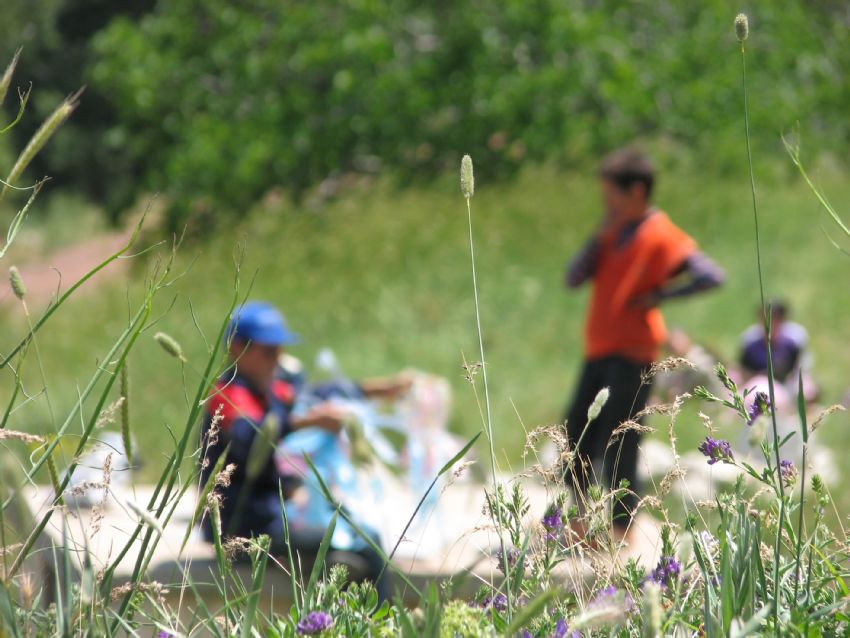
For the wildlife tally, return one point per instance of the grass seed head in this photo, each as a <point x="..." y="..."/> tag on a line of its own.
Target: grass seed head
<point x="6" y="79"/>
<point x="467" y="179"/>
<point x="40" y="138"/>
<point x="598" y="403"/>
<point x="17" y="283"/>
<point x="170" y="345"/>
<point x="742" y="27"/>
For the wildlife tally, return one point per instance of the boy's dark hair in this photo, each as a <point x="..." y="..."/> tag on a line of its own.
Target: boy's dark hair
<point x="627" y="167"/>
<point x="778" y="307"/>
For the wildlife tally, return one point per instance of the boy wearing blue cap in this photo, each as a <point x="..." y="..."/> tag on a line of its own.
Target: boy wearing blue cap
<point x="252" y="399"/>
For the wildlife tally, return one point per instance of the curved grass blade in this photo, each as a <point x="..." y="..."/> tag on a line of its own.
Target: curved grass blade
<point x="530" y="611"/>
<point x="319" y="563"/>
<point x="366" y="537"/>
<point x="457" y="457"/>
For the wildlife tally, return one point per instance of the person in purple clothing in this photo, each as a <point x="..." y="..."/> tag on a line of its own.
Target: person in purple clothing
<point x="788" y="348"/>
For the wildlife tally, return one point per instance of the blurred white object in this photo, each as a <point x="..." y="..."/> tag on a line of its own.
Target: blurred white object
<point x="327" y="362"/>
<point x="88" y="478"/>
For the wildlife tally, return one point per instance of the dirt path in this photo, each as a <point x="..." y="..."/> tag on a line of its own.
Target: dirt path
<point x="46" y="275"/>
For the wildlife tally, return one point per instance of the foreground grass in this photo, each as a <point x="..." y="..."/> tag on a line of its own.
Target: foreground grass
<point x="380" y="275"/>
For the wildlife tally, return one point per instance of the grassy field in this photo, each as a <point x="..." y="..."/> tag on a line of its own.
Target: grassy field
<point x="381" y="275"/>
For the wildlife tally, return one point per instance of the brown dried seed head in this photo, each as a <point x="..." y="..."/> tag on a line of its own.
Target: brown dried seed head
<point x="14" y="435"/>
<point x="820" y="418"/>
<point x="222" y="479"/>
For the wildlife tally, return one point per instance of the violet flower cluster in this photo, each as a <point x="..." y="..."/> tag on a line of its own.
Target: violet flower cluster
<point x="787" y="472"/>
<point x="314" y="623"/>
<point x="562" y="630"/>
<point x="666" y="572"/>
<point x="499" y="602"/>
<point x="513" y="555"/>
<point x="760" y="405"/>
<point x="716" y="450"/>
<point x="553" y="523"/>
<point x="611" y="596"/>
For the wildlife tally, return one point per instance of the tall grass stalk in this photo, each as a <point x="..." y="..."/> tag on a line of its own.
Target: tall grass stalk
<point x="742" y="32"/>
<point x="467" y="185"/>
<point x="40" y="138"/>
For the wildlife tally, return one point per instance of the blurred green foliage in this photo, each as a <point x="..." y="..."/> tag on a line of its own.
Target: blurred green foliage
<point x="55" y="36"/>
<point x="219" y="101"/>
<point x="213" y="102"/>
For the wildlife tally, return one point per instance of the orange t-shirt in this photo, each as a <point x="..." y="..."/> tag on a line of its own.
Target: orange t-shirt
<point x="616" y="323"/>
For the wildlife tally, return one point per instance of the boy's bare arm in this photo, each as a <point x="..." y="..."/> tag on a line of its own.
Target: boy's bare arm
<point x="386" y="387"/>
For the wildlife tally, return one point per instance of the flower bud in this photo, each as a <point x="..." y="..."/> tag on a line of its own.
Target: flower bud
<point x="17" y="283"/>
<point x="742" y="27"/>
<point x="467" y="179"/>
<point x="170" y="345"/>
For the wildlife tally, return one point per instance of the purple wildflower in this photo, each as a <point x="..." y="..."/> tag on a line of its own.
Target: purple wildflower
<point x="562" y="630"/>
<point x="164" y="634"/>
<point x="787" y="472"/>
<point x="666" y="572"/>
<point x="759" y="406"/>
<point x="716" y="450"/>
<point x="612" y="597"/>
<point x="314" y="623"/>
<point x="553" y="523"/>
<point x="513" y="554"/>
<point x="499" y="602"/>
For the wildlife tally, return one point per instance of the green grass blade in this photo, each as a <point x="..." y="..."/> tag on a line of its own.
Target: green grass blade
<point x="457" y="457"/>
<point x="82" y="280"/>
<point x="360" y="531"/>
<point x="7" y="613"/>
<point x="202" y="497"/>
<point x="259" y="573"/>
<point x="319" y="563"/>
<point x="530" y="611"/>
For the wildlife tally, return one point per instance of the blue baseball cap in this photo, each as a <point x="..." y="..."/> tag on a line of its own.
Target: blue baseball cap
<point x="260" y="322"/>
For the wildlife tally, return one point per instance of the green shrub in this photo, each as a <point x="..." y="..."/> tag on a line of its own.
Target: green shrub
<point x="218" y="102"/>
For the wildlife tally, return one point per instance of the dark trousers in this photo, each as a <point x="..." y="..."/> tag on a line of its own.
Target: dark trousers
<point x="628" y="396"/>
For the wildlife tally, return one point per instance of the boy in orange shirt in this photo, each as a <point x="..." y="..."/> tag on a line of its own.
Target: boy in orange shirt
<point x="636" y="260"/>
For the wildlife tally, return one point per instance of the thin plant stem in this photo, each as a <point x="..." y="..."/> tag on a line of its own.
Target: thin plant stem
<point x="799" y="548"/>
<point x="767" y="324"/>
<point x="487" y="411"/>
